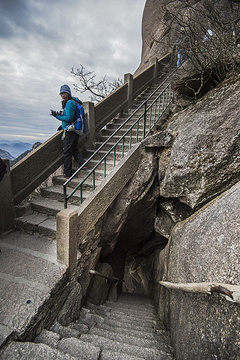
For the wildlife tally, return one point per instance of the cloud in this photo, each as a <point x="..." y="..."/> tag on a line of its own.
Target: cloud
<point x="41" y="41"/>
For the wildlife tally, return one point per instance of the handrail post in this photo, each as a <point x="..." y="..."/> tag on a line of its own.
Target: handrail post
<point x="128" y="78"/>
<point x="67" y="238"/>
<point x="90" y="114"/>
<point x="65" y="195"/>
<point x="155" y="74"/>
<point x="144" y="120"/>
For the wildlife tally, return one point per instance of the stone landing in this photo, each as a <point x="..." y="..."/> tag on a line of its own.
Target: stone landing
<point x="29" y="273"/>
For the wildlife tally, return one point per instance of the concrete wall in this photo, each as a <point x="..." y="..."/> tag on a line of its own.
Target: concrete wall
<point x="74" y="226"/>
<point x="6" y="196"/>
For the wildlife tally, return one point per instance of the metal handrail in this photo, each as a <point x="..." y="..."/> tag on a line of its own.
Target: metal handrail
<point x="94" y="272"/>
<point x="146" y="109"/>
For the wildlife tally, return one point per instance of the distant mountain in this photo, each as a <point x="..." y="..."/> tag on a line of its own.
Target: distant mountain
<point x="15" y="148"/>
<point x="34" y="146"/>
<point x="5" y="155"/>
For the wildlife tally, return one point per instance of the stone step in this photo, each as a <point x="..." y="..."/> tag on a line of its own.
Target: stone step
<point x="118" y="122"/>
<point x="67" y="341"/>
<point x="51" y="208"/>
<point x="136" y="325"/>
<point x="101" y="153"/>
<point x="112" y="355"/>
<point x="55" y="192"/>
<point x="117" y="137"/>
<point x="128" y="331"/>
<point x="137" y="305"/>
<point x="79" y="349"/>
<point x="98" y="174"/>
<point x="124" y="338"/>
<point x="63" y="331"/>
<point x="30" y="222"/>
<point x="90" y="319"/>
<point x="29" y="271"/>
<point x="48" y="228"/>
<point x="129" y="316"/>
<point x="107" y="166"/>
<point x="140" y="311"/>
<point x="122" y="310"/>
<point x="34" y="222"/>
<point x="88" y="184"/>
<point x="28" y="350"/>
<point x="118" y="147"/>
<point x="150" y="353"/>
<point x="133" y="305"/>
<point x="109" y="131"/>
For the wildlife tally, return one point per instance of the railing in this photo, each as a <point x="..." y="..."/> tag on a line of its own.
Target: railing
<point x="113" y="284"/>
<point x="112" y="278"/>
<point x="137" y="131"/>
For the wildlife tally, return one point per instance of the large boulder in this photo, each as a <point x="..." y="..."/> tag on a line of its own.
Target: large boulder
<point x="205" y="156"/>
<point x="205" y="248"/>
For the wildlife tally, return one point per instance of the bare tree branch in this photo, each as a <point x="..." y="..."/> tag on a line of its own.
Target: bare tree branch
<point x="208" y="37"/>
<point x="98" y="89"/>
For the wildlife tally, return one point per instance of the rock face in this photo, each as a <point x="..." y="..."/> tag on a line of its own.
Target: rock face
<point x="205" y="155"/>
<point x="206" y="248"/>
<point x="160" y="33"/>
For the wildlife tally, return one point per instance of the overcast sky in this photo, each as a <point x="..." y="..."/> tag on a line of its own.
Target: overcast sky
<point x="41" y="40"/>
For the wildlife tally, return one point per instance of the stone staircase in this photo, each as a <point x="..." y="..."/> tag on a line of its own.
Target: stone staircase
<point x="39" y="214"/>
<point x="124" y="330"/>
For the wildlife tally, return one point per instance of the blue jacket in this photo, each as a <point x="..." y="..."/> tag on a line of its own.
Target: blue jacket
<point x="69" y="113"/>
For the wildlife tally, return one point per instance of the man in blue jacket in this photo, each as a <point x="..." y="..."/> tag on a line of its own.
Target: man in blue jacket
<point x="70" y="138"/>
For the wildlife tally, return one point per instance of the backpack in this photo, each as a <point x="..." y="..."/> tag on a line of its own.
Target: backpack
<point x="80" y="124"/>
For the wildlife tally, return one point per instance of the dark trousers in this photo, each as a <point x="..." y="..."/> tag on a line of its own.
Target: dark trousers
<point x="70" y="148"/>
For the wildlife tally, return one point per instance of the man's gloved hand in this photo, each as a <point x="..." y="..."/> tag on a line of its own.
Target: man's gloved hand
<point x="59" y="128"/>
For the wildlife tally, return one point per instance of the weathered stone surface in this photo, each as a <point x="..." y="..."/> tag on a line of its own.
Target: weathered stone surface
<point x="152" y="29"/>
<point x="164" y="159"/>
<point x="99" y="287"/>
<point x="47" y="337"/>
<point x="64" y="331"/>
<point x="112" y="355"/>
<point x="89" y="318"/>
<point x="29" y="292"/>
<point x="150" y="353"/>
<point x="23" y="351"/>
<point x="175" y="209"/>
<point x="72" y="307"/>
<point x="160" y="139"/>
<point x="163" y="224"/>
<point x="170" y="212"/>
<point x="81" y="328"/>
<point x="79" y="349"/>
<point x="205" y="156"/>
<point x="205" y="247"/>
<point x="217" y="227"/>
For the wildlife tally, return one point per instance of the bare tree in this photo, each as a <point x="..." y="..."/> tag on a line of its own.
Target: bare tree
<point x="206" y="34"/>
<point x="98" y="89"/>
